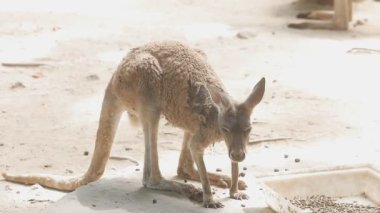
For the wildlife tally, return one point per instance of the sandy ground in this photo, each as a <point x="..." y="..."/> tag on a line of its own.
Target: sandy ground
<point x="320" y="95"/>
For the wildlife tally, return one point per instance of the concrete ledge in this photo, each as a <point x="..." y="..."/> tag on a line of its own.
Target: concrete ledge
<point x="361" y="182"/>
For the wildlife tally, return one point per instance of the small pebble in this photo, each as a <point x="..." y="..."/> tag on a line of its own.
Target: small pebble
<point x="297" y="160"/>
<point x="85" y="153"/>
<point x="242" y="174"/>
<point x="276" y="170"/>
<point x="93" y="205"/>
<point x="154" y="201"/>
<point x="128" y="149"/>
<point x="1" y="144"/>
<point x="185" y="181"/>
<point x="286" y="156"/>
<point x="242" y="205"/>
<point x="244" y="168"/>
<point x="137" y="169"/>
<point x="218" y="170"/>
<point x="47" y="166"/>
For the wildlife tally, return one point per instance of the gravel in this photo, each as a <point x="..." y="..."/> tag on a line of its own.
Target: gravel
<point x="326" y="204"/>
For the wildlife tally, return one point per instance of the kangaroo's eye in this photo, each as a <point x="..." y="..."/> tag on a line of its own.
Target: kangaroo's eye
<point x="225" y="129"/>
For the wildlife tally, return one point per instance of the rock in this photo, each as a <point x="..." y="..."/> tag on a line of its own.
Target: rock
<point x="297" y="160"/>
<point x="85" y="153"/>
<point x="218" y="170"/>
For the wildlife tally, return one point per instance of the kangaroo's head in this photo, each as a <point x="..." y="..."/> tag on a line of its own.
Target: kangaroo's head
<point x="234" y="120"/>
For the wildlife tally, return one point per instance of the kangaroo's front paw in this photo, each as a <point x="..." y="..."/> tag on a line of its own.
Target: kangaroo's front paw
<point x="225" y="182"/>
<point x="239" y="196"/>
<point x="212" y="204"/>
<point x="304" y="15"/>
<point x="242" y="185"/>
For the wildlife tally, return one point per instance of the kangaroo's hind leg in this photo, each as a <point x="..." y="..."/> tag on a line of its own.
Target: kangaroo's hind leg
<point x="152" y="174"/>
<point x="143" y="74"/>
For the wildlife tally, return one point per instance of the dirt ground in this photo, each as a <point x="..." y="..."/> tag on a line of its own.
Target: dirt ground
<point x="321" y="99"/>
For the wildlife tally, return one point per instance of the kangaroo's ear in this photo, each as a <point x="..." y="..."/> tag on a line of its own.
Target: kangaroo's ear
<point x="219" y="98"/>
<point x="256" y="95"/>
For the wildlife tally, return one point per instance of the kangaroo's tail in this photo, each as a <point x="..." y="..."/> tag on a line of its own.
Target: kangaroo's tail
<point x="109" y="120"/>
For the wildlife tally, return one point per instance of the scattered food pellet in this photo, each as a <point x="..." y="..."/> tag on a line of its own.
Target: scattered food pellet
<point x="154" y="201"/>
<point x="286" y="170"/>
<point x="245" y="35"/>
<point x="286" y="156"/>
<point x="137" y="169"/>
<point x="323" y="203"/>
<point x="244" y="168"/>
<point x="38" y="75"/>
<point x="7" y="188"/>
<point x="17" y="85"/>
<point x="261" y="189"/>
<point x="185" y="181"/>
<point x="93" y="205"/>
<point x="85" y="153"/>
<point x="128" y="149"/>
<point x="242" y="205"/>
<point x="92" y="77"/>
<point x="1" y="144"/>
<point x="297" y="160"/>
<point x="47" y="166"/>
<point x="218" y="170"/>
<point x="242" y="174"/>
<point x="276" y="170"/>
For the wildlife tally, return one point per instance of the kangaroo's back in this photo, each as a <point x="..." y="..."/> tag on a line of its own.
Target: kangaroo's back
<point x="172" y="77"/>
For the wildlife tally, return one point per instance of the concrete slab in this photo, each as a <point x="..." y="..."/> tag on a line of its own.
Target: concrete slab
<point x="125" y="193"/>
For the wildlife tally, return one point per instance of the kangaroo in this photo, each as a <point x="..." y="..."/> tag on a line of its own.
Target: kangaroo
<point x="172" y="79"/>
<point x="338" y="19"/>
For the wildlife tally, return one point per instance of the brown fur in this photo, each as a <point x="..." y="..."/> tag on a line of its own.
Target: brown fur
<point x="338" y="19"/>
<point x="174" y="80"/>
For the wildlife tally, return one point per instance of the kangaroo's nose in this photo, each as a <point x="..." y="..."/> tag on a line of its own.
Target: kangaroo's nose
<point x="237" y="156"/>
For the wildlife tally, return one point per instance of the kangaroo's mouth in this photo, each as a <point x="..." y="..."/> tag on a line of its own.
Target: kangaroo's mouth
<point x="237" y="156"/>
